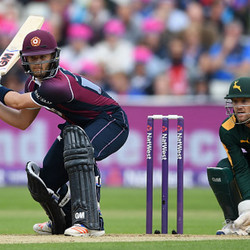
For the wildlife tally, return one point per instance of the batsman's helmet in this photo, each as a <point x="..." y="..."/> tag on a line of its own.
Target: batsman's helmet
<point x="40" y="42"/>
<point x="239" y="88"/>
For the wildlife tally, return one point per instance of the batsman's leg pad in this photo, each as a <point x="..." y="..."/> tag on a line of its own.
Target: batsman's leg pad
<point x="79" y="162"/>
<point x="46" y="197"/>
<point x="222" y="182"/>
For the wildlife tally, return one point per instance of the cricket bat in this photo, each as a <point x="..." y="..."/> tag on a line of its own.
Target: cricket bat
<point x="11" y="54"/>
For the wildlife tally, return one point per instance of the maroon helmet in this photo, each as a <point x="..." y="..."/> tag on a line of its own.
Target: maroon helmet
<point x="40" y="42"/>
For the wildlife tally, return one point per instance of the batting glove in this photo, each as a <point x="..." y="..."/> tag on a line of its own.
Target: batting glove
<point x="243" y="221"/>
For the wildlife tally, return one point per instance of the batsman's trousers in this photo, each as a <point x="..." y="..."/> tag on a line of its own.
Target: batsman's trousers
<point x="107" y="134"/>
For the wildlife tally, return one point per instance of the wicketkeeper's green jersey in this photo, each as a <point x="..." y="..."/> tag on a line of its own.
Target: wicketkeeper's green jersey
<point x="236" y="141"/>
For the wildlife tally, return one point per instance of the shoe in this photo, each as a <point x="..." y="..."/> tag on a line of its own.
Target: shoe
<point x="96" y="233"/>
<point x="43" y="228"/>
<point x="229" y="229"/>
<point x="80" y="230"/>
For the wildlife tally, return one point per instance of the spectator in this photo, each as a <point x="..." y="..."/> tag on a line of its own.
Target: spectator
<point x="177" y="72"/>
<point x="7" y="32"/>
<point x="152" y="36"/>
<point x="230" y="56"/>
<point x="201" y="87"/>
<point x="93" y="72"/>
<point x="78" y="49"/>
<point x="143" y="8"/>
<point x="10" y="11"/>
<point x="161" y="86"/>
<point x="119" y="83"/>
<point x="197" y="41"/>
<point x="97" y="15"/>
<point x="140" y="78"/>
<point x="195" y="13"/>
<point x="124" y="12"/>
<point x="77" y="12"/>
<point x="200" y="80"/>
<point x="220" y="14"/>
<point x="15" y="78"/>
<point x="193" y="45"/>
<point x="55" y="13"/>
<point x="241" y="11"/>
<point x="58" y="19"/>
<point x="115" y="52"/>
<point x="175" y="19"/>
<point x="151" y="24"/>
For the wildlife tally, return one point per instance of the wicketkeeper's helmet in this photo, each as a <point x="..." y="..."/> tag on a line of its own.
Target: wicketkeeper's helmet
<point x="40" y="42"/>
<point x="239" y="88"/>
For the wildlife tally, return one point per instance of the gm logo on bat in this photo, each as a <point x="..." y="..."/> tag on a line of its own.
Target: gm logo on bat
<point x="5" y="59"/>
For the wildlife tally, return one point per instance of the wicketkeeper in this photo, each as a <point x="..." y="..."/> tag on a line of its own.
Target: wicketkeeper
<point x="230" y="180"/>
<point x="95" y="127"/>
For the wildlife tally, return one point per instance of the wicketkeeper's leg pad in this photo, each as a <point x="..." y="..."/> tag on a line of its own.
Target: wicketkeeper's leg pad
<point x="79" y="162"/>
<point x="46" y="197"/>
<point x="222" y="182"/>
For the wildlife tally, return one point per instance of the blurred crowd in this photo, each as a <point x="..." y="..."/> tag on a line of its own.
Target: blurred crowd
<point x="141" y="47"/>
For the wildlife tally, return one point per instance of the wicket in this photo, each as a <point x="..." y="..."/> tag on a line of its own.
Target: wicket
<point x="165" y="169"/>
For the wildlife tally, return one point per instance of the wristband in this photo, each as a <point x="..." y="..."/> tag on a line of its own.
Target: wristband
<point x="3" y="92"/>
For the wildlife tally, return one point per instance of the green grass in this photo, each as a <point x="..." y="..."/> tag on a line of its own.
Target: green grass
<point x="123" y="210"/>
<point x="192" y="245"/>
<point x="200" y="208"/>
<point x="124" y="213"/>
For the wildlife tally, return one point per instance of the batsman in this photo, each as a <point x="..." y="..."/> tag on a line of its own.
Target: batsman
<point x="230" y="180"/>
<point x="68" y="183"/>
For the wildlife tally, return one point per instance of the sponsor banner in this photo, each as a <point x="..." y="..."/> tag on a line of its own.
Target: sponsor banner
<point x="127" y="167"/>
<point x="202" y="146"/>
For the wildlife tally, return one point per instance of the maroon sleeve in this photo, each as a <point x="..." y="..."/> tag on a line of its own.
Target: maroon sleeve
<point x="54" y="90"/>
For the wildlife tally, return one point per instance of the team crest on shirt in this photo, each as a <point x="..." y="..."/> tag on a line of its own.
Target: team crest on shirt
<point x="35" y="41"/>
<point x="236" y="86"/>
